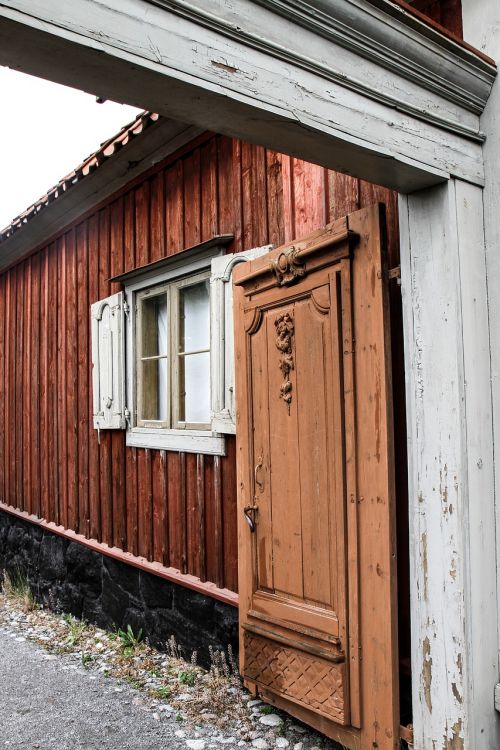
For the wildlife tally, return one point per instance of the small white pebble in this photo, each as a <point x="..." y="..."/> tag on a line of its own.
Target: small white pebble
<point x="260" y="744"/>
<point x="180" y="733"/>
<point x="282" y="742"/>
<point x="270" y="720"/>
<point x="195" y="744"/>
<point x="298" y="746"/>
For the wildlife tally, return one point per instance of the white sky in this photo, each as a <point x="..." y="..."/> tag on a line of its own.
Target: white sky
<point x="45" y="131"/>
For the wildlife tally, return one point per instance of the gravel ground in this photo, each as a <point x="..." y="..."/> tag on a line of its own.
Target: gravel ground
<point x="51" y="704"/>
<point x="52" y="699"/>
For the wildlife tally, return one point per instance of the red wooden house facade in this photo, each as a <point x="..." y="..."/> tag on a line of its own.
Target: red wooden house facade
<point x="171" y="512"/>
<point x="176" y="509"/>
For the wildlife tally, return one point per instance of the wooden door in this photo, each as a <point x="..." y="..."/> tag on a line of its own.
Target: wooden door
<point x="316" y="516"/>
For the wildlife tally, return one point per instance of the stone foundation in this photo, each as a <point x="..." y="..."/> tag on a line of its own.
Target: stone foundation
<point x="69" y="577"/>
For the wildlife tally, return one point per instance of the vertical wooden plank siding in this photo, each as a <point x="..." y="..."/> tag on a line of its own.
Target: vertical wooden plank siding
<point x="34" y="443"/>
<point x="83" y="382"/>
<point x="71" y="381"/>
<point x="94" y="456"/>
<point x="174" y="508"/>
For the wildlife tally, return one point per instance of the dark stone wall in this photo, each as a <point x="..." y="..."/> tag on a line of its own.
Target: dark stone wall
<point x="68" y="577"/>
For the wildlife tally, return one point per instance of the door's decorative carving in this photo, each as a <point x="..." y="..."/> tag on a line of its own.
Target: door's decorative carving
<point x="285" y="329"/>
<point x="306" y="679"/>
<point x="288" y="267"/>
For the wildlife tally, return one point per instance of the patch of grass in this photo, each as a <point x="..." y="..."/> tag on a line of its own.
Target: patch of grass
<point x="17" y="590"/>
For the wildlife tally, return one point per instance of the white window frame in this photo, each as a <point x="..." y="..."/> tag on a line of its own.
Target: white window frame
<point x="179" y="437"/>
<point x="222" y="352"/>
<point x="205" y="261"/>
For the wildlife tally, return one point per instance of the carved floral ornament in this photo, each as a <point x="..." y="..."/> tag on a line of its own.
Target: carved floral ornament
<point x="288" y="267"/>
<point x="285" y="329"/>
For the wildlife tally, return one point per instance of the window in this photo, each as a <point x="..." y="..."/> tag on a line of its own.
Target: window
<point x="173" y="354"/>
<point x="162" y="352"/>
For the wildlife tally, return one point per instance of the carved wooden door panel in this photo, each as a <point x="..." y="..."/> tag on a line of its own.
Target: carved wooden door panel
<point x="316" y="541"/>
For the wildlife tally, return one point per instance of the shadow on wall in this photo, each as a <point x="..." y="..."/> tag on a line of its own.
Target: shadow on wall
<point x="67" y="577"/>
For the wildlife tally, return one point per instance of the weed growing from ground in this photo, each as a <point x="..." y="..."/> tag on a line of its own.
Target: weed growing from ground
<point x="267" y="710"/>
<point x="174" y="650"/>
<point x="77" y="629"/>
<point x="86" y="659"/>
<point x="130" y="641"/>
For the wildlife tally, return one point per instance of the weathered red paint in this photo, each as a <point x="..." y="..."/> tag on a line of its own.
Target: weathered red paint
<point x="175" y="510"/>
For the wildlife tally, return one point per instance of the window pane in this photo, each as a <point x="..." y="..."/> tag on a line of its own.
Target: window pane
<point x="154" y="326"/>
<point x="153" y="372"/>
<point x="194" y="313"/>
<point x="154" y="389"/>
<point x="195" y="388"/>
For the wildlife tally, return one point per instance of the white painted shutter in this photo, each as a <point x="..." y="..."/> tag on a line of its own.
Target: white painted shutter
<point x="222" y="337"/>
<point x="108" y="363"/>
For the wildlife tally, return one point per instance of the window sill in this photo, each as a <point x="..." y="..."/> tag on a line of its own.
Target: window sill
<point x="185" y="441"/>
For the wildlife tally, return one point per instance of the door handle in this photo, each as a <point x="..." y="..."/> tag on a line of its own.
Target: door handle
<point x="249" y="512"/>
<point x="258" y="467"/>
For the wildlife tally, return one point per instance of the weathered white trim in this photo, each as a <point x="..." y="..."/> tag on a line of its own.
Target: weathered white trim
<point x="385" y="35"/>
<point x="188" y="441"/>
<point x="184" y="264"/>
<point x="108" y="363"/>
<point x="275" y="82"/>
<point x="450" y="467"/>
<point x="222" y="337"/>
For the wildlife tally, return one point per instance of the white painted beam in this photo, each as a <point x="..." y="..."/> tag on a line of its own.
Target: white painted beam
<point x="452" y="531"/>
<point x="323" y="91"/>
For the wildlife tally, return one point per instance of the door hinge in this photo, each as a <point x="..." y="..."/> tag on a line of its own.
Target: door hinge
<point x="497" y="697"/>
<point x="395" y="273"/>
<point x="406" y="734"/>
<point x="126" y="308"/>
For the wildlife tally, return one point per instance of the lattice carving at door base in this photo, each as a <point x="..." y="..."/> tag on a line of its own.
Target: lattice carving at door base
<point x="313" y="682"/>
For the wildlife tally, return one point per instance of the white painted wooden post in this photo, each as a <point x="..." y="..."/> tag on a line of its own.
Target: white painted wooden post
<point x="481" y="21"/>
<point x="452" y="543"/>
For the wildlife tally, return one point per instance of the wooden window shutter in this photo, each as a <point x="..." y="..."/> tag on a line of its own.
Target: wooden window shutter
<point x="108" y="363"/>
<point x="222" y="337"/>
